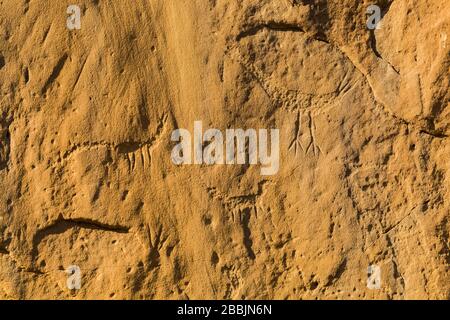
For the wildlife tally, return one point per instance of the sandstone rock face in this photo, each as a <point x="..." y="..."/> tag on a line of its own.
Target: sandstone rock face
<point x="87" y="179"/>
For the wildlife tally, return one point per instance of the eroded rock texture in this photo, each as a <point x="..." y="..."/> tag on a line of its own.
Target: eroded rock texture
<point x="86" y="176"/>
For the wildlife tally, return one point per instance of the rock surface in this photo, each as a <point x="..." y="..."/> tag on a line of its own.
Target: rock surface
<point x="86" y="177"/>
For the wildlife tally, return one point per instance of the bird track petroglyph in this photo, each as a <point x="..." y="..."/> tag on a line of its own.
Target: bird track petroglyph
<point x="291" y="100"/>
